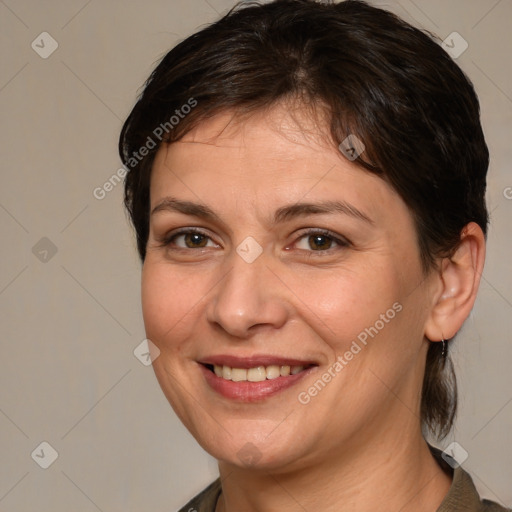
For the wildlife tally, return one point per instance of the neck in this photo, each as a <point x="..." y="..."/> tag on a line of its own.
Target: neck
<point x="404" y="476"/>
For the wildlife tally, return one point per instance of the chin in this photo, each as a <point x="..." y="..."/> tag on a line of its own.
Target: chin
<point x="252" y="448"/>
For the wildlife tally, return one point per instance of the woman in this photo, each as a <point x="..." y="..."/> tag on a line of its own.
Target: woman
<point x="307" y="182"/>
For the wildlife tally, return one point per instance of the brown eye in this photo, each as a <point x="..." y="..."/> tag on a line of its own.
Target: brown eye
<point x="193" y="240"/>
<point x="320" y="242"/>
<point x="189" y="239"/>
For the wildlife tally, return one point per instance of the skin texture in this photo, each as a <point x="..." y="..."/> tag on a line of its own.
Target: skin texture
<point x="358" y="442"/>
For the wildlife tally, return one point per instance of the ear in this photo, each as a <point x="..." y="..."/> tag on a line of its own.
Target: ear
<point x="457" y="285"/>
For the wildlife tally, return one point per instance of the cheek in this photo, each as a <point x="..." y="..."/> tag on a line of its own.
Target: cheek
<point x="169" y="298"/>
<point x="342" y="304"/>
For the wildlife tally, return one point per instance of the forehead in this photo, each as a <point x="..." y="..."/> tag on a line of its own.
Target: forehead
<point x="267" y="142"/>
<point x="279" y="155"/>
<point x="290" y="122"/>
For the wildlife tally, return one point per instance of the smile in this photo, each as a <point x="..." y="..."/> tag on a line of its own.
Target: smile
<point x="256" y="374"/>
<point x="251" y="381"/>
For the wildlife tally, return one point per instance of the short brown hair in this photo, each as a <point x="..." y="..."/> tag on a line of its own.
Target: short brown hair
<point x="375" y="76"/>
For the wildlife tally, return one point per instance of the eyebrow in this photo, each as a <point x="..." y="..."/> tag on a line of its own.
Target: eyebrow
<point x="171" y="204"/>
<point x="283" y="214"/>
<point x="301" y="209"/>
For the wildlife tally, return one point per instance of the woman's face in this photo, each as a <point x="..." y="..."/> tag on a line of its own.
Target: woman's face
<point x="284" y="290"/>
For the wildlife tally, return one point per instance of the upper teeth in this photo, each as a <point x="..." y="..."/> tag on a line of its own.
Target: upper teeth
<point x="258" y="374"/>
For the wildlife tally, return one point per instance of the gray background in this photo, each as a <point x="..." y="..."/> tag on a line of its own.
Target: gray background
<point x="71" y="320"/>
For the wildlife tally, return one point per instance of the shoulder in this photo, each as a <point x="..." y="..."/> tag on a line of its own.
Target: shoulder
<point x="206" y="500"/>
<point x="463" y="496"/>
<point x="490" y="506"/>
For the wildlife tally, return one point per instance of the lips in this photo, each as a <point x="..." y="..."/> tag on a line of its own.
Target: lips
<point x="253" y="378"/>
<point x="257" y="373"/>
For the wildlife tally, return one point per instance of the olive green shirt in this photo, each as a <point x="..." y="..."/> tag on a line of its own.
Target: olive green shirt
<point x="462" y="496"/>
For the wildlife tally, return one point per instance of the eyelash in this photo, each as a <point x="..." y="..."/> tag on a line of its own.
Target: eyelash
<point x="341" y="242"/>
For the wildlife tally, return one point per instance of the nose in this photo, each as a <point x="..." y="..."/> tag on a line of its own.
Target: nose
<point x="249" y="298"/>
